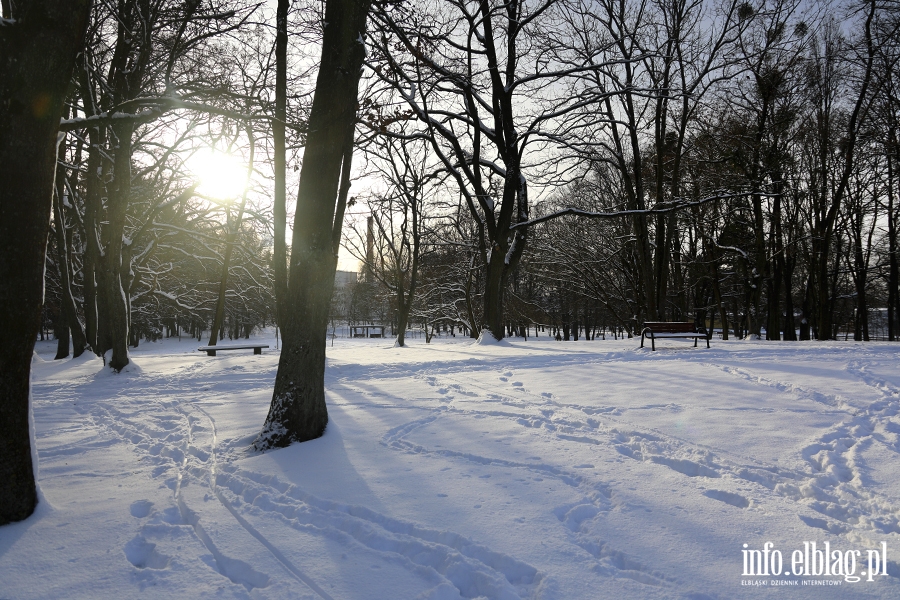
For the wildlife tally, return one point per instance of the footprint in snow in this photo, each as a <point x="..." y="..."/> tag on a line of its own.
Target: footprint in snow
<point x="143" y="555"/>
<point x="728" y="498"/>
<point x="141" y="508"/>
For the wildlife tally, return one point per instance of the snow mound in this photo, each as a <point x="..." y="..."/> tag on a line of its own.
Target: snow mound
<point x="486" y="338"/>
<point x="131" y="368"/>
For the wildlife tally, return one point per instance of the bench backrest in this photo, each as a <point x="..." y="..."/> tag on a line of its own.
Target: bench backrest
<point x="671" y="326"/>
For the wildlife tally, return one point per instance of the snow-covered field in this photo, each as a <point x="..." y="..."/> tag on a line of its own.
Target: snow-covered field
<point x="534" y="469"/>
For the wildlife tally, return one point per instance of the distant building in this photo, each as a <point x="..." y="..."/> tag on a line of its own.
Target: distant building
<point x="344" y="278"/>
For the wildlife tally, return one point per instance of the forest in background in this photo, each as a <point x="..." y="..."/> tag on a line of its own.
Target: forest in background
<point x="567" y="163"/>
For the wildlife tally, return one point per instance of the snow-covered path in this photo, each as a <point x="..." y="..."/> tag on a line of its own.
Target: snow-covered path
<point x="536" y="469"/>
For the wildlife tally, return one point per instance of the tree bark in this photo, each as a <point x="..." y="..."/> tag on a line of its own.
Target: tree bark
<point x="92" y="207"/>
<point x="37" y="56"/>
<point x="776" y="278"/>
<point x="298" y="412"/>
<point x="405" y="297"/>
<point x="61" y="333"/>
<point x="114" y="327"/>
<point x="893" y="267"/>
<point x="67" y="299"/>
<point x="279" y="253"/>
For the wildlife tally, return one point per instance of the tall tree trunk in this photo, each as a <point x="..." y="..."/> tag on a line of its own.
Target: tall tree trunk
<point x="92" y="207"/>
<point x="298" y="412"/>
<point x="474" y="326"/>
<point x="115" y="320"/>
<point x="893" y="267"/>
<point x="717" y="290"/>
<point x="505" y="254"/>
<point x="790" y="333"/>
<point x="279" y="253"/>
<point x="859" y="271"/>
<point x="775" y="281"/>
<point x="67" y="299"/>
<point x="405" y="300"/>
<point x="494" y="288"/>
<point x="37" y="56"/>
<point x="661" y="263"/>
<point x="806" y="310"/>
<point x="61" y="333"/>
<point x="677" y="269"/>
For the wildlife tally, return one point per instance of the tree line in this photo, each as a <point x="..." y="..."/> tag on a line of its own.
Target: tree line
<point x="584" y="163"/>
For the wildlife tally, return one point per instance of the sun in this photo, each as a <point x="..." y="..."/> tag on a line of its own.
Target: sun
<point x="220" y="175"/>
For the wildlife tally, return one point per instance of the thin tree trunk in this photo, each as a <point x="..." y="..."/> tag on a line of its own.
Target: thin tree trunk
<point x="279" y="254"/>
<point x="67" y="299"/>
<point x="790" y="333"/>
<point x="115" y="321"/>
<point x="806" y="311"/>
<point x="229" y="247"/>
<point x="405" y="300"/>
<point x="893" y="267"/>
<point x="474" y="326"/>
<point x="91" y="267"/>
<point x="775" y="281"/>
<point x="61" y="333"/>
<point x="717" y="290"/>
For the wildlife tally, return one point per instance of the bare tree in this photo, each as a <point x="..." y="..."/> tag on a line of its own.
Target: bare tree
<point x="298" y="412"/>
<point x="484" y="79"/>
<point x="397" y="219"/>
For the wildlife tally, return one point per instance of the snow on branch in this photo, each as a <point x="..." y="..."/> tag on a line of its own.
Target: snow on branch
<point x="663" y="207"/>
<point x="743" y="253"/>
<point x="173" y="298"/>
<point x="147" y="109"/>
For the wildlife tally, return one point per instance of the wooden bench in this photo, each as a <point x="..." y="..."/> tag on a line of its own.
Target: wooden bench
<point x="211" y="350"/>
<point x="674" y="329"/>
<point x="367" y="331"/>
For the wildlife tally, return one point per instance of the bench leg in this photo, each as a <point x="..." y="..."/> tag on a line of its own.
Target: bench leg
<point x="642" y="340"/>
<point x="652" y="342"/>
<point x="257" y="351"/>
<point x="210" y="352"/>
<point x="707" y="342"/>
<point x="695" y="342"/>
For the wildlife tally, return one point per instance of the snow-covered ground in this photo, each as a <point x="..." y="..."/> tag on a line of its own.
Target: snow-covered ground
<point x="531" y="469"/>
